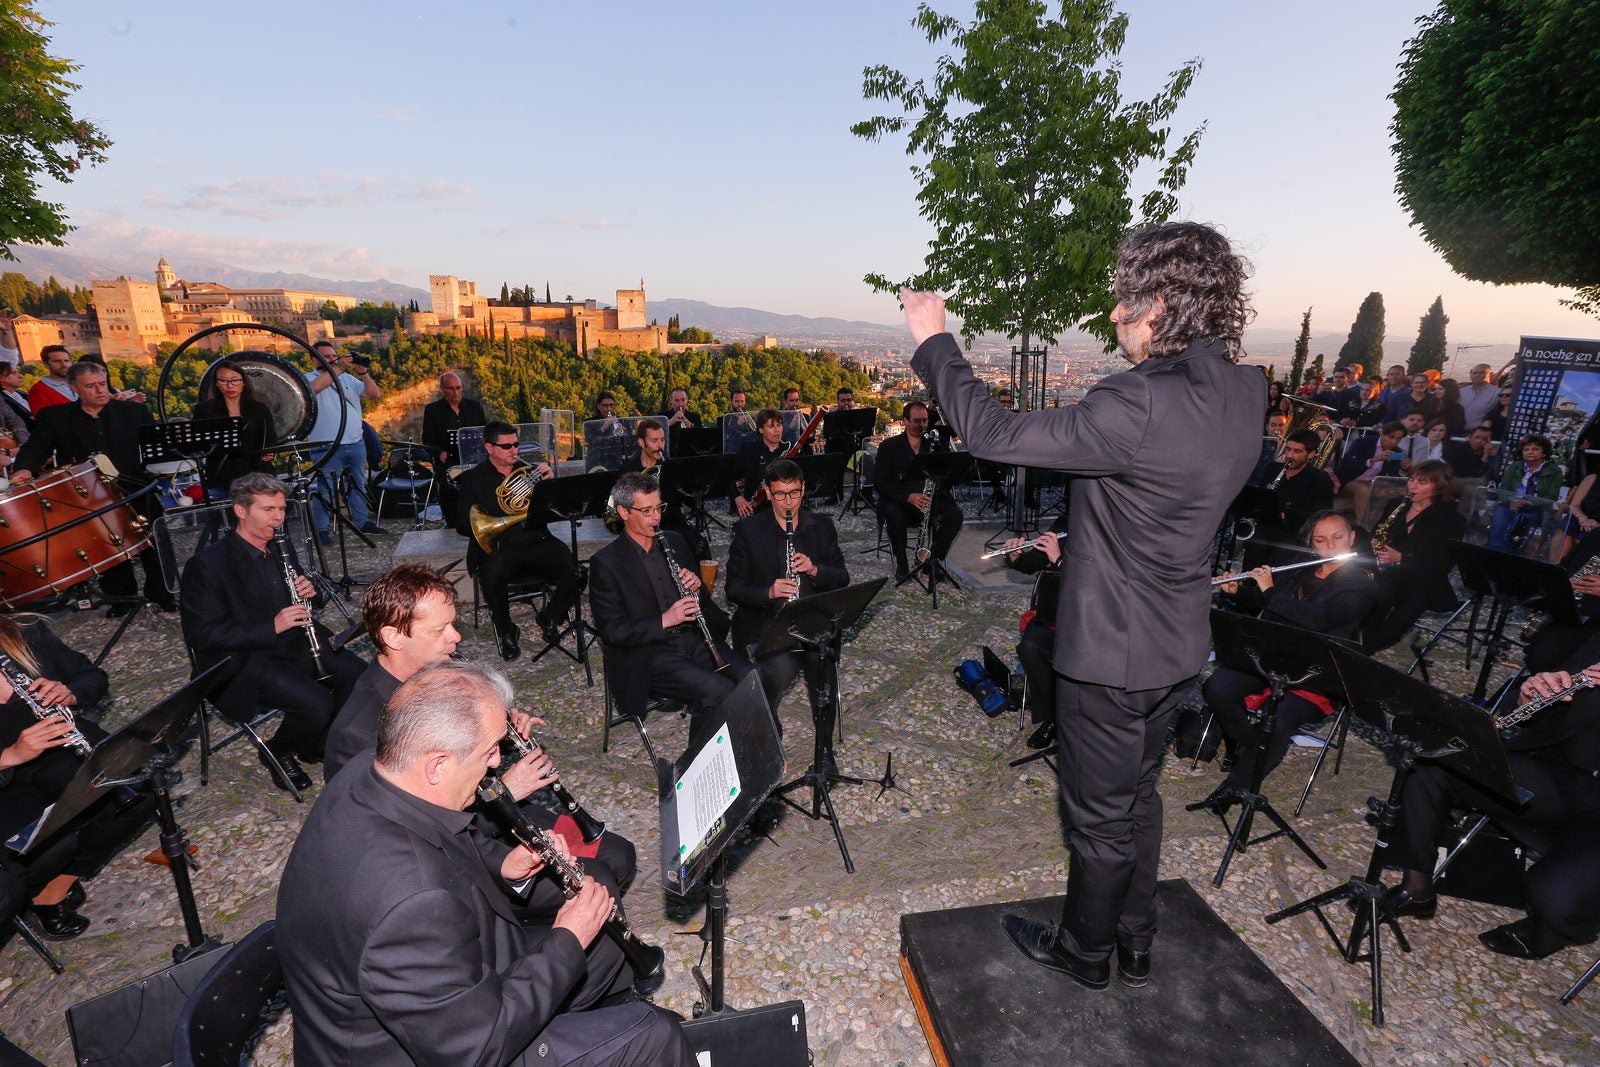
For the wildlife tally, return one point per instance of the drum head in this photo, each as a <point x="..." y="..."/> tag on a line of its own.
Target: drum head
<point x="279" y="385"/>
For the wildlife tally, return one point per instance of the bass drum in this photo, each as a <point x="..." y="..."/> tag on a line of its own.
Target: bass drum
<point x="73" y="543"/>
<point x="279" y="385"/>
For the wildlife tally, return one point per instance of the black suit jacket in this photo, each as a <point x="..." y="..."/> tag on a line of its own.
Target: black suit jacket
<point x="1359" y="456"/>
<point x="891" y="470"/>
<point x="438" y="420"/>
<point x="255" y="429"/>
<point x="1135" y="588"/>
<point x="477" y="487"/>
<point x="73" y="436"/>
<point x="751" y="462"/>
<point x="355" y="728"/>
<point x="623" y="606"/>
<point x="1464" y="462"/>
<point x="757" y="558"/>
<point x="399" y="946"/>
<point x="224" y="613"/>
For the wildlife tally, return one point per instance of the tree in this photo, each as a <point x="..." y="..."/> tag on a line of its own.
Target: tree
<point x="1026" y="154"/>
<point x="1428" y="352"/>
<point x="39" y="135"/>
<point x="1365" y="343"/>
<point x="1496" y="141"/>
<point x="330" y="311"/>
<point x="505" y="293"/>
<point x="1302" y="350"/>
<point x="547" y="299"/>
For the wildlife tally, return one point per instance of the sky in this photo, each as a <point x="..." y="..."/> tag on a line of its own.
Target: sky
<point x="705" y="148"/>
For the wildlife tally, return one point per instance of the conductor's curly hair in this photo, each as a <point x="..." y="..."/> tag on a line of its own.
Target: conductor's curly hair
<point x="1199" y="278"/>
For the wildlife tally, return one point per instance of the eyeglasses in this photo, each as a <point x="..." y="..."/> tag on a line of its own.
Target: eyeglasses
<point x="502" y="444"/>
<point x="230" y="381"/>
<point x="787" y="494"/>
<point x="654" y="509"/>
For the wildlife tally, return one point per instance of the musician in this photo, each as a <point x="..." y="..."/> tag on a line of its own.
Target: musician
<point x="527" y="548"/>
<point x="758" y="584"/>
<point x="35" y="769"/>
<point x="753" y="457"/>
<point x="1303" y="490"/>
<point x="737" y="400"/>
<point x="647" y="618"/>
<point x="55" y="387"/>
<point x="1332" y="600"/>
<point x="230" y="394"/>
<point x="236" y="605"/>
<point x="791" y="399"/>
<point x="1416" y="561"/>
<point x="95" y="423"/>
<point x="652" y="440"/>
<point x="347" y="455"/>
<point x="1554" y="756"/>
<point x="410" y="612"/>
<point x="1036" y="648"/>
<point x="902" y="501"/>
<point x="440" y="420"/>
<point x="1131" y="629"/>
<point x="397" y="936"/>
<point x="605" y="406"/>
<point x="1535" y="475"/>
<point x="1268" y="465"/>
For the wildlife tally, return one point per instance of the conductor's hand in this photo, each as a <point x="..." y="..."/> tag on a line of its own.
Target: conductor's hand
<point x="684" y="609"/>
<point x="35" y="741"/>
<point x="531" y="773"/>
<point x="803" y="564"/>
<point x="783" y="588"/>
<point x="924" y="314"/>
<point x="1547" y="684"/>
<point x="520" y="864"/>
<point x="586" y="913"/>
<point x="303" y="586"/>
<point x="920" y="501"/>
<point x="1262" y="576"/>
<point x="290" y="617"/>
<point x="49" y="692"/>
<point x="743" y="506"/>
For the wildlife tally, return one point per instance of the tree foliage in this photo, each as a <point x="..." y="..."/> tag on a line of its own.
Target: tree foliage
<point x="373" y="316"/>
<point x="1497" y="140"/>
<point x="1365" y="343"/>
<point x="1429" y="350"/>
<point x="39" y="135"/>
<point x="1025" y="155"/>
<point x="1302" y="351"/>
<point x="20" y="295"/>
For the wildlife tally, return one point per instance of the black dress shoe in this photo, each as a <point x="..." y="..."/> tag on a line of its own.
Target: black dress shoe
<point x="1403" y="905"/>
<point x="1044" y="736"/>
<point x="59" y="922"/>
<point x="1133" y="965"/>
<point x="1041" y="943"/>
<point x="117" y="611"/>
<point x="162" y="600"/>
<point x="1525" y="939"/>
<point x="77" y="896"/>
<point x="1219" y="800"/>
<point x="551" y="633"/>
<point x="296" y="774"/>
<point x="902" y="575"/>
<point x="509" y="648"/>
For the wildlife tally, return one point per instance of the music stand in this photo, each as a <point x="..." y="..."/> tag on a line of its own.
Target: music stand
<point x="144" y="751"/>
<point x="696" y="441"/>
<point x="1513" y="581"/>
<point x="572" y="499"/>
<point x="690" y="479"/>
<point x="1284" y="658"/>
<point x="817" y="624"/>
<point x="1425" y="724"/>
<point x="943" y="469"/>
<point x="854" y="425"/>
<point x="823" y="473"/>
<point x="194" y="439"/>
<point x="1255" y="503"/>
<point x="705" y="797"/>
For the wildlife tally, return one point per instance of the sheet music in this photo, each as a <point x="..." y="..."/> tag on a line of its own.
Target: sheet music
<point x="706" y="790"/>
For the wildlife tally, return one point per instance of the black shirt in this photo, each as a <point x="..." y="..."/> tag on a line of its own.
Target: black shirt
<point x="73" y="435"/>
<point x="752" y="463"/>
<point x="1303" y="495"/>
<point x="355" y="727"/>
<point x="438" y="420"/>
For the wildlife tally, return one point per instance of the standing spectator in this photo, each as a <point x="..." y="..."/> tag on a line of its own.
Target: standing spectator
<point x="1395" y="386"/>
<point x="1274" y="397"/>
<point x="1418" y="398"/>
<point x="53" y="388"/>
<point x="1448" y="396"/>
<point x="1480" y="397"/>
<point x="348" y="454"/>
<point x="1498" y="417"/>
<point x="440" y="419"/>
<point x="1311" y="387"/>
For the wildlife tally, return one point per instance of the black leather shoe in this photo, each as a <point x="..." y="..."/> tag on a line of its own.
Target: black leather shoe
<point x="551" y="634"/>
<point x="58" y="922"/>
<point x="1219" y="800"/>
<point x="1526" y="939"/>
<point x="161" y="600"/>
<point x="1402" y="905"/>
<point x="1133" y="966"/>
<point x="297" y="776"/>
<point x="509" y="648"/>
<point x="1041" y="943"/>
<point x="1044" y="736"/>
<point x="902" y="575"/>
<point x="77" y="896"/>
<point x="117" y="611"/>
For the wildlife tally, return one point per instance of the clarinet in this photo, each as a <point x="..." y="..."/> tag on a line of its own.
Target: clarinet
<point x="1523" y="712"/>
<point x="588" y="825"/>
<point x="646" y="960"/>
<point x="310" y="625"/>
<point x="19" y="680"/>
<point x="788" y="555"/>
<point x="717" y="660"/>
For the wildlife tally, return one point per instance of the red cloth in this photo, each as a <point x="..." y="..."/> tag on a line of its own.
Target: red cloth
<point x="1322" y="704"/>
<point x="42" y="396"/>
<point x="567" y="827"/>
<point x="1027" y="617"/>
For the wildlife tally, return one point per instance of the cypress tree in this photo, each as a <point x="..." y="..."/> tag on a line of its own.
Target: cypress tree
<point x="1429" y="350"/>
<point x="1302" y="351"/>
<point x="1365" y="343"/>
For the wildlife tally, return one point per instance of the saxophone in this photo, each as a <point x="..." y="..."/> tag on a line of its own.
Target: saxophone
<point x="19" y="680"/>
<point x="1380" y="535"/>
<point x="310" y="625"/>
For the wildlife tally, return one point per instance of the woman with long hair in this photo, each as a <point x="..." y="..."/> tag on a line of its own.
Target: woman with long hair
<point x="1414" y="557"/>
<point x="1448" y="393"/>
<point x="230" y="394"/>
<point x="35" y="768"/>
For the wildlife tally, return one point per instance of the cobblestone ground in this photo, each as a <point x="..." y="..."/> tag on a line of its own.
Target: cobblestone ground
<point x="962" y="828"/>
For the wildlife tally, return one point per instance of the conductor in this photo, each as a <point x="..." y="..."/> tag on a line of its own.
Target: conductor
<point x="1131" y="629"/>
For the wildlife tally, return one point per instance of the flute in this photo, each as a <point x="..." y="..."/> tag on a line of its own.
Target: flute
<point x="1035" y="543"/>
<point x="1340" y="558"/>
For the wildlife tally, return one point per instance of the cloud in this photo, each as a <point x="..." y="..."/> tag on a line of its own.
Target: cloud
<point x="277" y="197"/>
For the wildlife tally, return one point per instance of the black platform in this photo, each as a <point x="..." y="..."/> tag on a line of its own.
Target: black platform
<point x="1210" y="999"/>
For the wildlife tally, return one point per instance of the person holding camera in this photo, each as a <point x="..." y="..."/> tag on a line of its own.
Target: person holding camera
<point x="347" y="454"/>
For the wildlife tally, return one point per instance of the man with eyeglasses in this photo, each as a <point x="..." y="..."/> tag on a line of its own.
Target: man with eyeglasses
<point x="647" y="615"/>
<point x="758" y="585"/>
<point x="904" y="503"/>
<point x="525" y="549"/>
<point x="1480" y="395"/>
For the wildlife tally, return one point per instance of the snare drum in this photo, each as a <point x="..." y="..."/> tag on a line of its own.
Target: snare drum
<point x="87" y="527"/>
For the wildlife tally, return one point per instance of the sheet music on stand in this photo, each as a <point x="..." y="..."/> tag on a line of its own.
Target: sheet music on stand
<point x="188" y="439"/>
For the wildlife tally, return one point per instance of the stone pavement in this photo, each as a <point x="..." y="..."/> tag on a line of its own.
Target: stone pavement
<point x="962" y="828"/>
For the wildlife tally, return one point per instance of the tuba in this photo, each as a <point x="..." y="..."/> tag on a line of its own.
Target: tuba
<point x="513" y="496"/>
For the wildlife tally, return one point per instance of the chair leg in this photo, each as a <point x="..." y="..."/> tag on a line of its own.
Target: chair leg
<point x="638" y="724"/>
<point x="205" y="743"/>
<point x="277" y="768"/>
<point x="605" y="718"/>
<point x="37" y="944"/>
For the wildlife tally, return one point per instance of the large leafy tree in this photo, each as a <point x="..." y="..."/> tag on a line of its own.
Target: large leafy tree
<point x="1025" y="154"/>
<point x="40" y="137"/>
<point x="1428" y="351"/>
<point x="1365" y="343"/>
<point x="1497" y="140"/>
